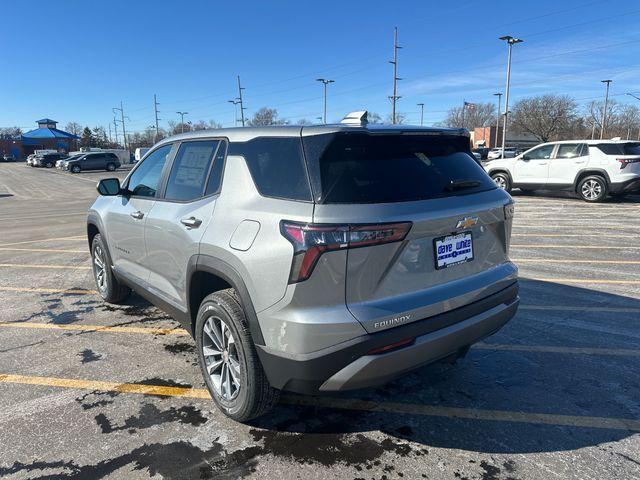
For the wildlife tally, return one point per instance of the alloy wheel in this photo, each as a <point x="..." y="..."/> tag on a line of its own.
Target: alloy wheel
<point x="99" y="268"/>
<point x="501" y="182"/>
<point x="221" y="358"/>
<point x="591" y="189"/>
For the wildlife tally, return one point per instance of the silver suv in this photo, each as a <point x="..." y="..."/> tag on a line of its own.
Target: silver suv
<point x="310" y="259"/>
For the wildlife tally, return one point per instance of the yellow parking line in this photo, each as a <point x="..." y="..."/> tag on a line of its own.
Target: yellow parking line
<point x="47" y="250"/>
<point x="594" y="247"/>
<point x="553" y="260"/>
<point x="626" y="352"/>
<point x="560" y="235"/>
<point x="95" y="328"/>
<point x="568" y="308"/>
<point x="77" y="237"/>
<point x="18" y="265"/>
<point x="47" y="290"/>
<point x="586" y="280"/>
<point x="628" y="424"/>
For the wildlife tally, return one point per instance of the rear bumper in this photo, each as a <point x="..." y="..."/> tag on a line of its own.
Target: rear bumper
<point x="347" y="366"/>
<point x="630" y="186"/>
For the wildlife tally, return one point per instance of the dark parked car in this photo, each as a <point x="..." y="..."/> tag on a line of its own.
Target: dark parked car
<point x="93" y="161"/>
<point x="483" y="151"/>
<point x="7" y="157"/>
<point x="48" y="159"/>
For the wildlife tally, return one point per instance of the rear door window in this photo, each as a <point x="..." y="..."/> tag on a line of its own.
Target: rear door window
<point x="363" y="168"/>
<point x="190" y="170"/>
<point x="570" y="150"/>
<point x="276" y="165"/>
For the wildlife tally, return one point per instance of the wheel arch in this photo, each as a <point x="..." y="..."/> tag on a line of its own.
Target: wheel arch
<point x="206" y="275"/>
<point x="501" y="170"/>
<point x="590" y="171"/>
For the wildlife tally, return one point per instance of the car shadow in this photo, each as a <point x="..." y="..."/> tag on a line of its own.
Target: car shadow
<point x="628" y="199"/>
<point x="489" y="381"/>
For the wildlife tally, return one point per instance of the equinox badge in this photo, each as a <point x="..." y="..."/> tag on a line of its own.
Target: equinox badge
<point x="467" y="222"/>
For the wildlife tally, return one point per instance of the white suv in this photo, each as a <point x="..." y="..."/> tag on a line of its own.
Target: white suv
<point x="591" y="168"/>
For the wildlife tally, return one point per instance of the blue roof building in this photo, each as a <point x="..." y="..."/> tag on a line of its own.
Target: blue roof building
<point x="47" y="136"/>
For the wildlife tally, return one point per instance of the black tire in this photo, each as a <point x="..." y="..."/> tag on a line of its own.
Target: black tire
<point x="502" y="180"/>
<point x="255" y="396"/>
<point x="75" y="169"/>
<point x="110" y="289"/>
<point x="527" y="191"/>
<point x="111" y="167"/>
<point x="49" y="165"/>
<point x="593" y="189"/>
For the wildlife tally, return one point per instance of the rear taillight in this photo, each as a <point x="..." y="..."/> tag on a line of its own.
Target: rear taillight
<point x="310" y="241"/>
<point x="626" y="161"/>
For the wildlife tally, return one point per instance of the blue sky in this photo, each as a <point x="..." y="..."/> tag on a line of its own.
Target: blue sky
<point x="75" y="60"/>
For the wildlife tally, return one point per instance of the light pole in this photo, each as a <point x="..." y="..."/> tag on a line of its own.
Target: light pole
<point x="325" y="82"/>
<point x="421" y="105"/>
<point x="604" y="111"/>
<point x="511" y="41"/>
<point x="182" y="114"/>
<point x="499" y="95"/>
<point x="235" y="102"/>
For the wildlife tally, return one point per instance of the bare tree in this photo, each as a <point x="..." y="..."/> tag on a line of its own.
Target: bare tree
<point x="622" y="120"/>
<point x="266" y="116"/>
<point x="73" y="127"/>
<point x="546" y="117"/>
<point x="401" y="118"/>
<point x="471" y="116"/>
<point x="208" y="125"/>
<point x="10" y="132"/>
<point x="373" y="117"/>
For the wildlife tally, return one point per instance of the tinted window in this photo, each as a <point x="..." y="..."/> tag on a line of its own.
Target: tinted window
<point x="190" y="169"/>
<point x="215" y="176"/>
<point x="541" y="153"/>
<point x="610" y="148"/>
<point x="362" y="168"/>
<point x="631" y="148"/>
<point x="145" y="178"/>
<point x="570" y="150"/>
<point x="276" y="165"/>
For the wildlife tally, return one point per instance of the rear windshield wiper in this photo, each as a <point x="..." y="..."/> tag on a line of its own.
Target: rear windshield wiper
<point x="462" y="183"/>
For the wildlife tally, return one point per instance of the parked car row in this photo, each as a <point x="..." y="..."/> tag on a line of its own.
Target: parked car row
<point x="76" y="163"/>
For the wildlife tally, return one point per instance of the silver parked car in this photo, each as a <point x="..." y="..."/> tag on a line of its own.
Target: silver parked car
<point x="310" y="259"/>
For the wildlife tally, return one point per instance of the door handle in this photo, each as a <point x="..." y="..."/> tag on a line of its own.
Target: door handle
<point x="579" y="161"/>
<point x="137" y="215"/>
<point x="191" y="222"/>
<point x="542" y="163"/>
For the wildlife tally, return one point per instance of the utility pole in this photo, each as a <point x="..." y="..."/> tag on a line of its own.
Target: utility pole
<point x="511" y="41"/>
<point x="155" y="108"/>
<point x="325" y="82"/>
<point x="115" y="127"/>
<point x="604" y="112"/>
<point x="235" y="102"/>
<point x="109" y="125"/>
<point x="499" y="95"/>
<point x="122" y="117"/>
<point x="242" y="109"/>
<point x="394" y="98"/>
<point x="182" y="114"/>
<point x="421" y="105"/>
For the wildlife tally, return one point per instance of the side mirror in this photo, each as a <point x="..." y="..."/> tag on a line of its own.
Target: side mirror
<point x="525" y="158"/>
<point x="109" y="187"/>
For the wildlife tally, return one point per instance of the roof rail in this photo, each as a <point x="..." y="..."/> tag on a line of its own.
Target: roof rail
<point x="355" y="118"/>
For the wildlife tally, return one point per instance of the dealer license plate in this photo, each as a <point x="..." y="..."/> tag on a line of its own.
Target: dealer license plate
<point x="453" y="250"/>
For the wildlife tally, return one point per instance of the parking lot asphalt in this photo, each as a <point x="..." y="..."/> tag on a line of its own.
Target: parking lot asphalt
<point x="89" y="390"/>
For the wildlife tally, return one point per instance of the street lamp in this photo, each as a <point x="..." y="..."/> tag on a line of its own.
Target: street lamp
<point x="421" y="105"/>
<point x="235" y="102"/>
<point x="499" y="95"/>
<point x="604" y="111"/>
<point x="182" y="114"/>
<point x="511" y="41"/>
<point x="325" y="82"/>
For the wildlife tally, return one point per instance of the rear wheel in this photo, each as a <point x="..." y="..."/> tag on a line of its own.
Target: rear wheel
<point x="111" y="167"/>
<point x="108" y="286"/>
<point x="49" y="165"/>
<point x="75" y="169"/>
<point x="502" y="180"/>
<point x="228" y="359"/>
<point x="593" y="188"/>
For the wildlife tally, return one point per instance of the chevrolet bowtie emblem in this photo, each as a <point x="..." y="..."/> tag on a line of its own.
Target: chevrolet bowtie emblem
<point x="467" y="222"/>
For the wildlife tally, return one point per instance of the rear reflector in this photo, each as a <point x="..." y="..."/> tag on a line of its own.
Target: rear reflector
<point x="310" y="241"/>
<point x="392" y="346"/>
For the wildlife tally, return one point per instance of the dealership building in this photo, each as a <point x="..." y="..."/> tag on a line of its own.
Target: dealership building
<point x="45" y="137"/>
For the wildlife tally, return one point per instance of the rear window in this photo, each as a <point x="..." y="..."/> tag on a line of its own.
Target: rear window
<point x="363" y="168"/>
<point x="276" y="165"/>
<point x="619" y="148"/>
